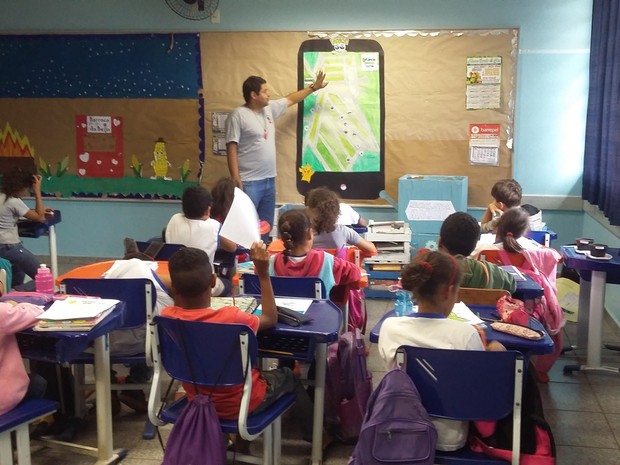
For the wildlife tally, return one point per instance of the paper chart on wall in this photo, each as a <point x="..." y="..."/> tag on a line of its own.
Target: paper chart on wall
<point x="241" y="223"/>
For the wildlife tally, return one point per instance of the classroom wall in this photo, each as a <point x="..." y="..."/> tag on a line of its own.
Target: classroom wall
<point x="551" y="82"/>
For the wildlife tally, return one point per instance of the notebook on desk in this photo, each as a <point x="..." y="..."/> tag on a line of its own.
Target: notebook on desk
<point x="247" y="304"/>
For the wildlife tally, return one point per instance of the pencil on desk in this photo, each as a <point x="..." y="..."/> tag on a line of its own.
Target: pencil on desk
<point x="279" y="352"/>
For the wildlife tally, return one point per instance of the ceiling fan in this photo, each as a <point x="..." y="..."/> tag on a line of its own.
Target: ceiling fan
<point x="193" y="9"/>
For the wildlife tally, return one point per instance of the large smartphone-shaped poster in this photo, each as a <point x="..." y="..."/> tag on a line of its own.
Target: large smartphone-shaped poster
<point x="340" y="140"/>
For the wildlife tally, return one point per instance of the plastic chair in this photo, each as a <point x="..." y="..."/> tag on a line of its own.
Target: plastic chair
<point x="164" y="253"/>
<point x="285" y="286"/>
<point x="493" y="256"/>
<point x="139" y="296"/>
<point x="17" y="422"/>
<point x="467" y="385"/>
<point x="476" y="296"/>
<point x="221" y="355"/>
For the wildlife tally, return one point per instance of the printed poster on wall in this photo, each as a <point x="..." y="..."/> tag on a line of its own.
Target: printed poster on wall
<point x="484" y="79"/>
<point x="99" y="146"/>
<point x="484" y="144"/>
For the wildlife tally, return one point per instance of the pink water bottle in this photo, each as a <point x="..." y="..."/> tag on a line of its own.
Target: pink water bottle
<point x="44" y="280"/>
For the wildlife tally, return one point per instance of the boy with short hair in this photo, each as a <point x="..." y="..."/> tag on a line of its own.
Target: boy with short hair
<point x="195" y="228"/>
<point x="192" y="279"/>
<point x="459" y="235"/>
<point x="507" y="194"/>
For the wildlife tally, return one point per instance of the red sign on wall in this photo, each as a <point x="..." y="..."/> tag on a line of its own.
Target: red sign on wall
<point x="99" y="146"/>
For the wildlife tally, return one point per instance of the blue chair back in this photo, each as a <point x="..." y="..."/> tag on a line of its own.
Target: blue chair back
<point x="467" y="385"/>
<point x="208" y="353"/>
<point x="138" y="294"/>
<point x="464" y="384"/>
<point x="285" y="286"/>
<point x="164" y="253"/>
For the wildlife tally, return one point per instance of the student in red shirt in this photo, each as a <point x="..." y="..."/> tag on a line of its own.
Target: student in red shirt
<point x="192" y="278"/>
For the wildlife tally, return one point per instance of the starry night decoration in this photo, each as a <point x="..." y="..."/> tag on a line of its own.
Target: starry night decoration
<point x="100" y="66"/>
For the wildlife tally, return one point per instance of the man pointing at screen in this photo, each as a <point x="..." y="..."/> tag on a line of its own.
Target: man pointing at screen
<point x="251" y="144"/>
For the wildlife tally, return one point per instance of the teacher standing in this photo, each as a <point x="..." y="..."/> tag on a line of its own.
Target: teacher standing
<point x="251" y="141"/>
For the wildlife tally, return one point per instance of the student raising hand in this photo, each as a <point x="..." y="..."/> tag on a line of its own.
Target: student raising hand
<point x="260" y="257"/>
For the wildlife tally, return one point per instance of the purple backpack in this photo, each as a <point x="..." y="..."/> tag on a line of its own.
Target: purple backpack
<point x="396" y="429"/>
<point x="196" y="437"/>
<point x="348" y="386"/>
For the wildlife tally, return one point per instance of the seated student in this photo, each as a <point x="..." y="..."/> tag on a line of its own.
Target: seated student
<point x="459" y="235"/>
<point x="16" y="184"/>
<point x="18" y="385"/>
<point x="349" y="217"/>
<point x="192" y="280"/>
<point x="507" y="194"/>
<point x="195" y="228"/>
<point x="324" y="209"/>
<point x="434" y="279"/>
<point x="301" y="259"/>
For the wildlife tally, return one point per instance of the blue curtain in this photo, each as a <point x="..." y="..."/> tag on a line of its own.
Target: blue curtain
<point x="601" y="174"/>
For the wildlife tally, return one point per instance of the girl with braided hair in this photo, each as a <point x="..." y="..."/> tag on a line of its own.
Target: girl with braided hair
<point x="300" y="259"/>
<point x="433" y="278"/>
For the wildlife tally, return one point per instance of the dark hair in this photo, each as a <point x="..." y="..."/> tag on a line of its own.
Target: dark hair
<point x="325" y="209"/>
<point x="222" y="195"/>
<point x="512" y="225"/>
<point x="190" y="271"/>
<point x="252" y="84"/>
<point x="196" y="200"/>
<point x="293" y="226"/>
<point x="428" y="271"/>
<point x="459" y="233"/>
<point x="15" y="181"/>
<point x="507" y="191"/>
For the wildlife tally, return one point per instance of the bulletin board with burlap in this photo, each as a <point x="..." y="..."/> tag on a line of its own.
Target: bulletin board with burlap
<point x="428" y="87"/>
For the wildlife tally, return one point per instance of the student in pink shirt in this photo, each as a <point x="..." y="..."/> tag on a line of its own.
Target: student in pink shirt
<point x="17" y="384"/>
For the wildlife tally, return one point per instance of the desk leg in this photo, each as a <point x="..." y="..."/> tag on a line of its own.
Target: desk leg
<point x="105" y="450"/>
<point x="583" y="316"/>
<point x="595" y="327"/>
<point x="320" y="358"/>
<point x="53" y="251"/>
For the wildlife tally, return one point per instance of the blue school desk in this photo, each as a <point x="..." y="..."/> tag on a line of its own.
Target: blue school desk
<point x="307" y="343"/>
<point x="594" y="275"/>
<point x="543" y="236"/>
<point x="62" y="347"/>
<point x="27" y="228"/>
<point x="543" y="346"/>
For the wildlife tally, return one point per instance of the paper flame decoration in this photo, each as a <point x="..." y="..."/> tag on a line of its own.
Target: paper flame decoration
<point x="13" y="145"/>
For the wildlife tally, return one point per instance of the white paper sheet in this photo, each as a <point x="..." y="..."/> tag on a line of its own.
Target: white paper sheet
<point x="461" y="312"/>
<point x="73" y="308"/>
<point x="241" y="223"/>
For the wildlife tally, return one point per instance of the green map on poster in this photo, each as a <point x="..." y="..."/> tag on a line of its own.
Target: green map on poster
<point x="342" y="122"/>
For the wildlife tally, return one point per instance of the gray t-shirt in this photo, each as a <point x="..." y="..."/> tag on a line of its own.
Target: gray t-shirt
<point x="255" y="135"/>
<point x="337" y="239"/>
<point x="11" y="209"/>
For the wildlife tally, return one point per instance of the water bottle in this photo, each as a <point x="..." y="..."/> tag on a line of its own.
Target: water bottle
<point x="44" y="280"/>
<point x="403" y="305"/>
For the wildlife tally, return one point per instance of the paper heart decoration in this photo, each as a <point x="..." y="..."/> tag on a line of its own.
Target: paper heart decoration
<point x="99" y="162"/>
<point x="82" y="171"/>
<point x="84" y="157"/>
<point x="114" y="161"/>
<point x="116" y="122"/>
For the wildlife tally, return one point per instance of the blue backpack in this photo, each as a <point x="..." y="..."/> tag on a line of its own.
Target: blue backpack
<point x="396" y="429"/>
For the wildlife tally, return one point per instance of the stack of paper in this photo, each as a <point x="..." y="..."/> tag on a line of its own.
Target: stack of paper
<point x="75" y="314"/>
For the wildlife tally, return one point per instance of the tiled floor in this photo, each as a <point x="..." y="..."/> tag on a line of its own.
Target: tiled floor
<point x="582" y="409"/>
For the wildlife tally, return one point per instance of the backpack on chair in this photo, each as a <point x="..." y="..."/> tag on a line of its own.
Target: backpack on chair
<point x="348" y="386"/>
<point x="396" y="429"/>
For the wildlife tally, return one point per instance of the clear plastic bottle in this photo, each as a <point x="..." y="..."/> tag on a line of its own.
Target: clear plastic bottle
<point x="44" y="280"/>
<point x="403" y="305"/>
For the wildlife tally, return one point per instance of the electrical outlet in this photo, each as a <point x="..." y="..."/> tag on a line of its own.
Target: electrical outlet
<point x="215" y="17"/>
